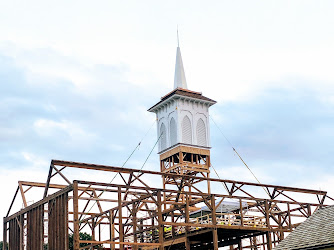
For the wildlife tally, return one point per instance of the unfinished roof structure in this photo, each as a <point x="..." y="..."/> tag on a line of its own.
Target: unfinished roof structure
<point x="178" y="207"/>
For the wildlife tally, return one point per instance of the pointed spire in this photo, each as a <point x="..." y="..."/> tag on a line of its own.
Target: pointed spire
<point x="179" y="77"/>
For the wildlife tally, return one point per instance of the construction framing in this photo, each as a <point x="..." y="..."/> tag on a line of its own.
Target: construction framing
<point x="134" y="214"/>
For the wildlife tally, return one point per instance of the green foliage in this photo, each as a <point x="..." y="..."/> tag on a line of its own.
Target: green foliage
<point x="82" y="236"/>
<point x="1" y="245"/>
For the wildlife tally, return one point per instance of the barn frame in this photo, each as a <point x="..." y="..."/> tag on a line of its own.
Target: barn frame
<point x="134" y="214"/>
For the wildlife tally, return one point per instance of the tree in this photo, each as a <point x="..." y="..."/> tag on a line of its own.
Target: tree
<point x="1" y="245"/>
<point x="82" y="236"/>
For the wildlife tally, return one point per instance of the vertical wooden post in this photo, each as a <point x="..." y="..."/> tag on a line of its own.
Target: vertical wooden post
<point x="141" y="229"/>
<point x="186" y="211"/>
<point x="274" y="239"/>
<point x="269" y="243"/>
<point x="134" y="225"/>
<point x="173" y="228"/>
<point x="93" y="228"/>
<point x="160" y="221"/>
<point x="120" y="219"/>
<point x="214" y="222"/>
<point x="239" y="244"/>
<point x="66" y="221"/>
<point x="280" y="226"/>
<point x="164" y="195"/>
<point x="187" y="244"/>
<point x="153" y="229"/>
<point x="4" y="233"/>
<point x="23" y="195"/>
<point x="255" y="242"/>
<point x="181" y="166"/>
<point x="241" y="213"/>
<point x="21" y="226"/>
<point x="309" y="211"/>
<point x="289" y="216"/>
<point x="208" y="175"/>
<point x="99" y="231"/>
<point x="263" y="242"/>
<point x="76" y="243"/>
<point x="162" y="169"/>
<point x="267" y="213"/>
<point x="112" y="228"/>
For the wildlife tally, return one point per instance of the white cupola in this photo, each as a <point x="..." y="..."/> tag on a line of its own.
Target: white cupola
<point x="182" y="114"/>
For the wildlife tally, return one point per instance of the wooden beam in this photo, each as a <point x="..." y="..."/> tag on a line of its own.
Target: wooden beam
<point x="48" y="181"/>
<point x="76" y="243"/>
<point x="214" y="223"/>
<point x="11" y="204"/>
<point x="120" y="219"/>
<point x="4" y="234"/>
<point x="160" y="221"/>
<point x="129" y="170"/>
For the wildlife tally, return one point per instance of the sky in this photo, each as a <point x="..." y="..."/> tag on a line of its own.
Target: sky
<point x="77" y="78"/>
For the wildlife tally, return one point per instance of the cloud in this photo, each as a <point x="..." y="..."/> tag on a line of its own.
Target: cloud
<point x="285" y="133"/>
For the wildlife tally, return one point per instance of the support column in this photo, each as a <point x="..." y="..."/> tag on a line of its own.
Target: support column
<point x="112" y="228"/>
<point x="160" y="221"/>
<point x="134" y="225"/>
<point x="187" y="243"/>
<point x="4" y="233"/>
<point x="120" y="219"/>
<point x="208" y="174"/>
<point x="76" y="243"/>
<point x="269" y="243"/>
<point x="214" y="222"/>
<point x="239" y="245"/>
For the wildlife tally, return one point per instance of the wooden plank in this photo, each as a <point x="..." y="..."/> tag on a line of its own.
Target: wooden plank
<point x="269" y="243"/>
<point x="187" y="244"/>
<point x="48" y="181"/>
<point x="66" y="220"/>
<point x="23" y="196"/>
<point x="76" y="244"/>
<point x="122" y="243"/>
<point x="120" y="219"/>
<point x="185" y="149"/>
<point x="160" y="221"/>
<point x="11" y="204"/>
<point x="5" y="225"/>
<point x="214" y="223"/>
<point x="112" y="228"/>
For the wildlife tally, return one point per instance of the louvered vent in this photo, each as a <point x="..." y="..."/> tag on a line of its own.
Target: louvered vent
<point x="201" y="133"/>
<point x="186" y="130"/>
<point x="163" y="137"/>
<point x="173" y="132"/>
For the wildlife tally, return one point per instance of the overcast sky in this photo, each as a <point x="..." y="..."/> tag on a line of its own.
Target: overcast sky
<point x="77" y="78"/>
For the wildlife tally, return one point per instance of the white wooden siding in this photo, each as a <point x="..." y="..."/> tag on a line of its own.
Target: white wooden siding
<point x="186" y="131"/>
<point x="201" y="133"/>
<point x="163" y="137"/>
<point x="173" y="132"/>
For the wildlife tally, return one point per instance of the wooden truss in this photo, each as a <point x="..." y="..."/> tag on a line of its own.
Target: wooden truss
<point x="132" y="214"/>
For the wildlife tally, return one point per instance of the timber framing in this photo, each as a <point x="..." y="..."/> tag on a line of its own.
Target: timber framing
<point x="130" y="213"/>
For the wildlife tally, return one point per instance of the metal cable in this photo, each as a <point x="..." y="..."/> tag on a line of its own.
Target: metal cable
<point x="137" y="147"/>
<point x="239" y="157"/>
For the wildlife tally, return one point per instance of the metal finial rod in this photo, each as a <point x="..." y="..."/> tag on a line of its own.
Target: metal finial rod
<point x="177" y="33"/>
